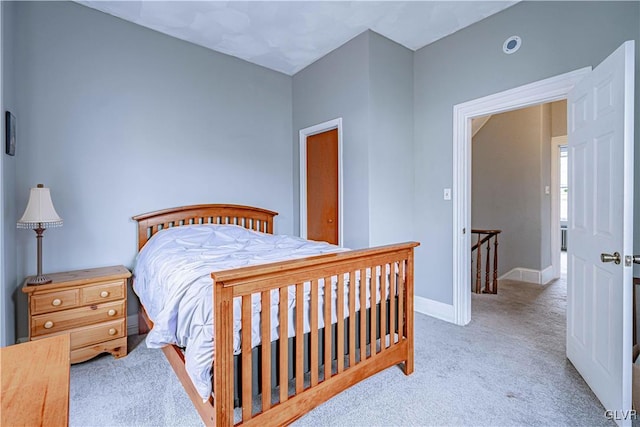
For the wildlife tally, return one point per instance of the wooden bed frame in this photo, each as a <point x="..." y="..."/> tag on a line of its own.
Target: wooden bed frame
<point x="385" y="336"/>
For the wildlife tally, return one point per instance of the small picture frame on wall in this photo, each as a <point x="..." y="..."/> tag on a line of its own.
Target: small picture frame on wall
<point x="10" y="134"/>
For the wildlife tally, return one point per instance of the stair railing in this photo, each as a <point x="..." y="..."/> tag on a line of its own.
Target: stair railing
<point x="490" y="286"/>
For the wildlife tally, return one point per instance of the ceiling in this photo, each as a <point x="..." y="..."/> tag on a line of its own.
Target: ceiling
<point x="287" y="36"/>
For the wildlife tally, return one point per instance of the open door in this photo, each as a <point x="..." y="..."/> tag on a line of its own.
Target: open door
<point x="599" y="286"/>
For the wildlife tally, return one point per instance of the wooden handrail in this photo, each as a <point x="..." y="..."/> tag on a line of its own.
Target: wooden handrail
<point x="485" y="236"/>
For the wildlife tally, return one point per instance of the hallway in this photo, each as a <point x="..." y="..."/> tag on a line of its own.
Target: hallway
<point x="530" y="320"/>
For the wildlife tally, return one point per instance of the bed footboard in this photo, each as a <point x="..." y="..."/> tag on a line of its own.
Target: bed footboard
<point x="385" y="338"/>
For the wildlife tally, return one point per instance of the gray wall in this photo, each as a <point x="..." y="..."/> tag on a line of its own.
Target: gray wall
<point x="508" y="175"/>
<point x="118" y="120"/>
<point x="544" y="181"/>
<point x="391" y="144"/>
<point x="558" y="37"/>
<point x="369" y="83"/>
<point x="337" y="85"/>
<point x="8" y="273"/>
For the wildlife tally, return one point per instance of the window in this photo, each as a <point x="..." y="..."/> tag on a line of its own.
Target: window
<point x="564" y="189"/>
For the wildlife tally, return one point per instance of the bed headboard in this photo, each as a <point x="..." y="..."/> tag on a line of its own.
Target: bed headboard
<point x="245" y="216"/>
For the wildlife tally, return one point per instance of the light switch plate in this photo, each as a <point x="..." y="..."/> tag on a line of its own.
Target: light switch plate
<point x="447" y="194"/>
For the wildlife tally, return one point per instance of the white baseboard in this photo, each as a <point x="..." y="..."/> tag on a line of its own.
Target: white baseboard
<point x="433" y="308"/>
<point x="546" y="275"/>
<point x="529" y="275"/>
<point x="132" y="324"/>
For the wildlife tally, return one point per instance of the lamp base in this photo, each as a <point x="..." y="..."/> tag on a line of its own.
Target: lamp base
<point x="38" y="280"/>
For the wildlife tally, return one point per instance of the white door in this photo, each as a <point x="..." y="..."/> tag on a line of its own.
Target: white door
<point x="599" y="294"/>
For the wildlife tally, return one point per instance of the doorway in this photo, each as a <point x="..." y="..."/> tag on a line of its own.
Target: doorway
<point x="548" y="90"/>
<point x="513" y="193"/>
<point x="321" y="214"/>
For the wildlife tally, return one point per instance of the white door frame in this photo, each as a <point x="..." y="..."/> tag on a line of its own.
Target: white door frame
<point x="556" y="143"/>
<point x="304" y="133"/>
<point x="543" y="91"/>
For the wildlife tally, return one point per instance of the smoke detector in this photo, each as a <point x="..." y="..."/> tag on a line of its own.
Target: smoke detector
<point x="511" y="45"/>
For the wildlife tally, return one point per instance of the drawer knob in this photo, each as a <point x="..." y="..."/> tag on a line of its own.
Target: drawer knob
<point x="104" y="294"/>
<point x="112" y="331"/>
<point x="48" y="324"/>
<point x="111" y="312"/>
<point x="56" y="302"/>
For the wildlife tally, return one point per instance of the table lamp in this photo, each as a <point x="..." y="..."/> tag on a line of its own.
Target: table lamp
<point x="38" y="216"/>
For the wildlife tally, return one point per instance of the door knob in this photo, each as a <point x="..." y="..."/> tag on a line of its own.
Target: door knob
<point x="610" y="258"/>
<point x="330" y="221"/>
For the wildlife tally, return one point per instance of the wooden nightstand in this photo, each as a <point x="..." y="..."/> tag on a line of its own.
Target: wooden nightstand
<point x="90" y="305"/>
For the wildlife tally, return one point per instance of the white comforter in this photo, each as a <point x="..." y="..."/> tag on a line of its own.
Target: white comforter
<point x="172" y="278"/>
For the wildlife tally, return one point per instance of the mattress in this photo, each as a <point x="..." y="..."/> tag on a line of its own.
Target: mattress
<point x="172" y="278"/>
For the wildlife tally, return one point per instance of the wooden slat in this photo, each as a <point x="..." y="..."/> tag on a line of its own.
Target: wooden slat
<point x="373" y="288"/>
<point x="283" y="360"/>
<point x="384" y="281"/>
<point x="363" y="314"/>
<point x="299" y="338"/>
<point x="246" y="358"/>
<point x="223" y="355"/>
<point x="353" y="283"/>
<point x="409" y="363"/>
<point x="487" y="287"/>
<point x="340" y="324"/>
<point x="479" y="266"/>
<point x="327" y="327"/>
<point x="401" y="300"/>
<point x="265" y="325"/>
<point x="392" y="300"/>
<point x="313" y="347"/>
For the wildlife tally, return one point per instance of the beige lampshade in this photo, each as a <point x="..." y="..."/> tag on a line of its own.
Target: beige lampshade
<point x="40" y="212"/>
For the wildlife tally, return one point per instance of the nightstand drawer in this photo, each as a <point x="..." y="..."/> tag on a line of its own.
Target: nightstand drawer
<point x="103" y="292"/>
<point x="58" y="321"/>
<point x="97" y="333"/>
<point x="54" y="301"/>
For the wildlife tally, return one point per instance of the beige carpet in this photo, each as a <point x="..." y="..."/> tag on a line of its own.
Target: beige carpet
<point x="506" y="368"/>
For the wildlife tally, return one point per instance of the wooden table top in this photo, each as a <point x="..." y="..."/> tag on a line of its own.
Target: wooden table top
<point x="35" y="383"/>
<point x="79" y="277"/>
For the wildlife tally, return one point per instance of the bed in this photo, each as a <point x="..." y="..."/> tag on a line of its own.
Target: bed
<point x="361" y="327"/>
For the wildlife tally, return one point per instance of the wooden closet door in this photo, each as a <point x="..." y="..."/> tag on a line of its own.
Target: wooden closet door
<point x="322" y="187"/>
